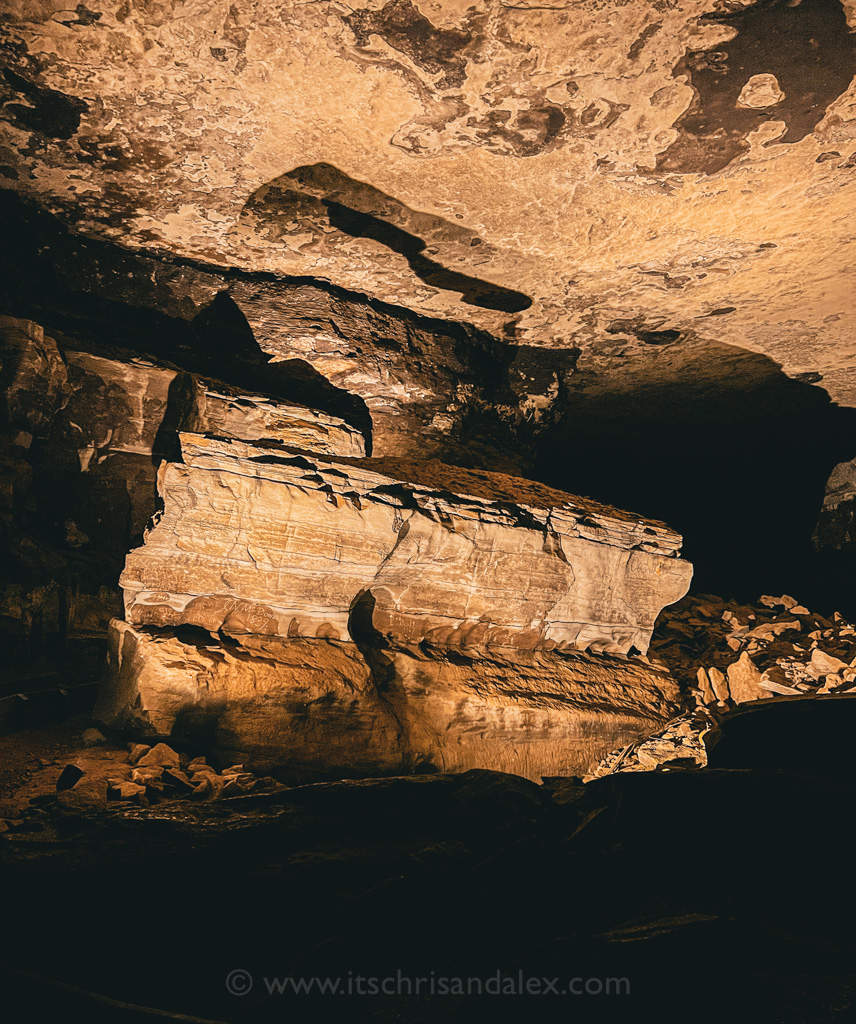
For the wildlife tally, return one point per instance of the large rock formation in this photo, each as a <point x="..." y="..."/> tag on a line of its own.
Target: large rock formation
<point x="369" y="615"/>
<point x="257" y="540"/>
<point x="81" y="435"/>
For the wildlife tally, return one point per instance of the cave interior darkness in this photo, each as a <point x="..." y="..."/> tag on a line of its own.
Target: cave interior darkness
<point x="428" y="505"/>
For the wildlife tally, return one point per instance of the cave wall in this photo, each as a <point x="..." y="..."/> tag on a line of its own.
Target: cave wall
<point x="82" y="437"/>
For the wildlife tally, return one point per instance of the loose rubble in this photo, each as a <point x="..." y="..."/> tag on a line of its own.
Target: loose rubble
<point x="159" y="772"/>
<point x="147" y="775"/>
<point x="728" y="653"/>
<point x="725" y="654"/>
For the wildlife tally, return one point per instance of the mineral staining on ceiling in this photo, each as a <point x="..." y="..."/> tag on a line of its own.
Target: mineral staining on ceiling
<point x="613" y="157"/>
<point x="787" y="63"/>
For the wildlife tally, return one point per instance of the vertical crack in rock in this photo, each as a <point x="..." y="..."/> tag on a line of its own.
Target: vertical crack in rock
<point x="806" y="47"/>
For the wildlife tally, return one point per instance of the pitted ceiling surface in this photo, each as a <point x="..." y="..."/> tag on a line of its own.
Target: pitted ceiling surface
<point x="619" y="176"/>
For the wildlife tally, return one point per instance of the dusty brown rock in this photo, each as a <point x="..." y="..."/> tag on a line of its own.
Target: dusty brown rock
<point x="161" y="756"/>
<point x="744" y="680"/>
<point x="123" y="790"/>
<point x="214" y="409"/>
<point x="86" y="796"/>
<point x="680" y="745"/>
<point x="254" y="540"/>
<point x="314" y="708"/>
<point x="774" y="651"/>
<point x="91" y="427"/>
<point x="69" y="777"/>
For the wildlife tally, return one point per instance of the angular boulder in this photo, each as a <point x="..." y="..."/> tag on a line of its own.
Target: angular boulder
<point x="256" y="539"/>
<point x="369" y="616"/>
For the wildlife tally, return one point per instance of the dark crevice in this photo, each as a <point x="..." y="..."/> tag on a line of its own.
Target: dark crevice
<point x="719" y="443"/>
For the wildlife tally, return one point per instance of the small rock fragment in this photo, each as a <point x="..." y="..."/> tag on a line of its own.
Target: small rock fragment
<point x="744" y="681"/>
<point x="123" y="790"/>
<point x="160" y="754"/>
<point x="92" y="738"/>
<point x="175" y="779"/>
<point x="137" y="751"/>
<point x="720" y="686"/>
<point x="784" y="601"/>
<point x="68" y="777"/>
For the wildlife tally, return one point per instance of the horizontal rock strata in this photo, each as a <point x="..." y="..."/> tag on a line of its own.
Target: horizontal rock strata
<point x="366" y="616"/>
<point x="254" y="539"/>
<point x="81" y="435"/>
<point x="313" y="708"/>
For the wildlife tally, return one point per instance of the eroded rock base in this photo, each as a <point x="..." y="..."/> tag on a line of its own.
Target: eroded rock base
<point x="319" y="708"/>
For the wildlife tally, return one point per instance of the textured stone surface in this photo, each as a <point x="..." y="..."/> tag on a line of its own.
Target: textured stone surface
<point x="311" y="708"/>
<point x="229" y="413"/>
<point x="254" y="540"/>
<point x="547" y="170"/>
<point x="81" y="435"/>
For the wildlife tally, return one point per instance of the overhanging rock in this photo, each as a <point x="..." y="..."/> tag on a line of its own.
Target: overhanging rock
<point x="378" y="615"/>
<point x="256" y="539"/>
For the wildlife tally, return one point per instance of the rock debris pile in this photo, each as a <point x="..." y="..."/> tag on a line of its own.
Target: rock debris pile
<point x="730" y="653"/>
<point x="725" y="654"/>
<point x="146" y="775"/>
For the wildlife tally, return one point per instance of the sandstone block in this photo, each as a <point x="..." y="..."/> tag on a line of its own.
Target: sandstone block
<point x="255" y="540"/>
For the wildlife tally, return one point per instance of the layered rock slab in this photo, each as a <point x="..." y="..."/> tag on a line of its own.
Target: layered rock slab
<point x="89" y="428"/>
<point x="319" y="708"/>
<point x="258" y="539"/>
<point x="364" y="616"/>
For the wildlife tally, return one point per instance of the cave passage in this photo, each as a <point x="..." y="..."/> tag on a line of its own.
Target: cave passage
<point x="719" y="443"/>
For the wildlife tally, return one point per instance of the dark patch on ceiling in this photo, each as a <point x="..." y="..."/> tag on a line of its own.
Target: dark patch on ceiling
<point x="46" y="110"/>
<point x="809" y="49"/>
<point x="521" y="132"/>
<point x="81" y="15"/>
<point x="316" y="195"/>
<point x="400" y="24"/>
<point x="649" y="333"/>
<point x="639" y="45"/>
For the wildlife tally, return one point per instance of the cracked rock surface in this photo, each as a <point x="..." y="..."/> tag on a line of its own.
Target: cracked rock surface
<point x="539" y="170"/>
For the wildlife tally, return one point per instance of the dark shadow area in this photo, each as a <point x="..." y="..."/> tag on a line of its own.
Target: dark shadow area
<point x="473" y="291"/>
<point x="721" y="445"/>
<point x="477" y="883"/>
<point x="229" y="351"/>
<point x="63" y="283"/>
<point x="787" y="732"/>
<point x="809" y="48"/>
<point x="316" y="194"/>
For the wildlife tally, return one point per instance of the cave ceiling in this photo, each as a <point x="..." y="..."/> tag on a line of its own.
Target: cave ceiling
<point x="614" y="176"/>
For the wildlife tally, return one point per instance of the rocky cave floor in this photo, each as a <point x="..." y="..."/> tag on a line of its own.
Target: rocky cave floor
<point x="707" y="866"/>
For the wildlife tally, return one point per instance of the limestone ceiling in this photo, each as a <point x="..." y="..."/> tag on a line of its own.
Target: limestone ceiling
<point x="594" y="173"/>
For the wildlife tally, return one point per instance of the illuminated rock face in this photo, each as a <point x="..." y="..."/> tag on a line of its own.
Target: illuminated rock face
<point x="317" y="708"/>
<point x="543" y="170"/>
<point x="81" y="435"/>
<point x="254" y="539"/>
<point x="382" y="615"/>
